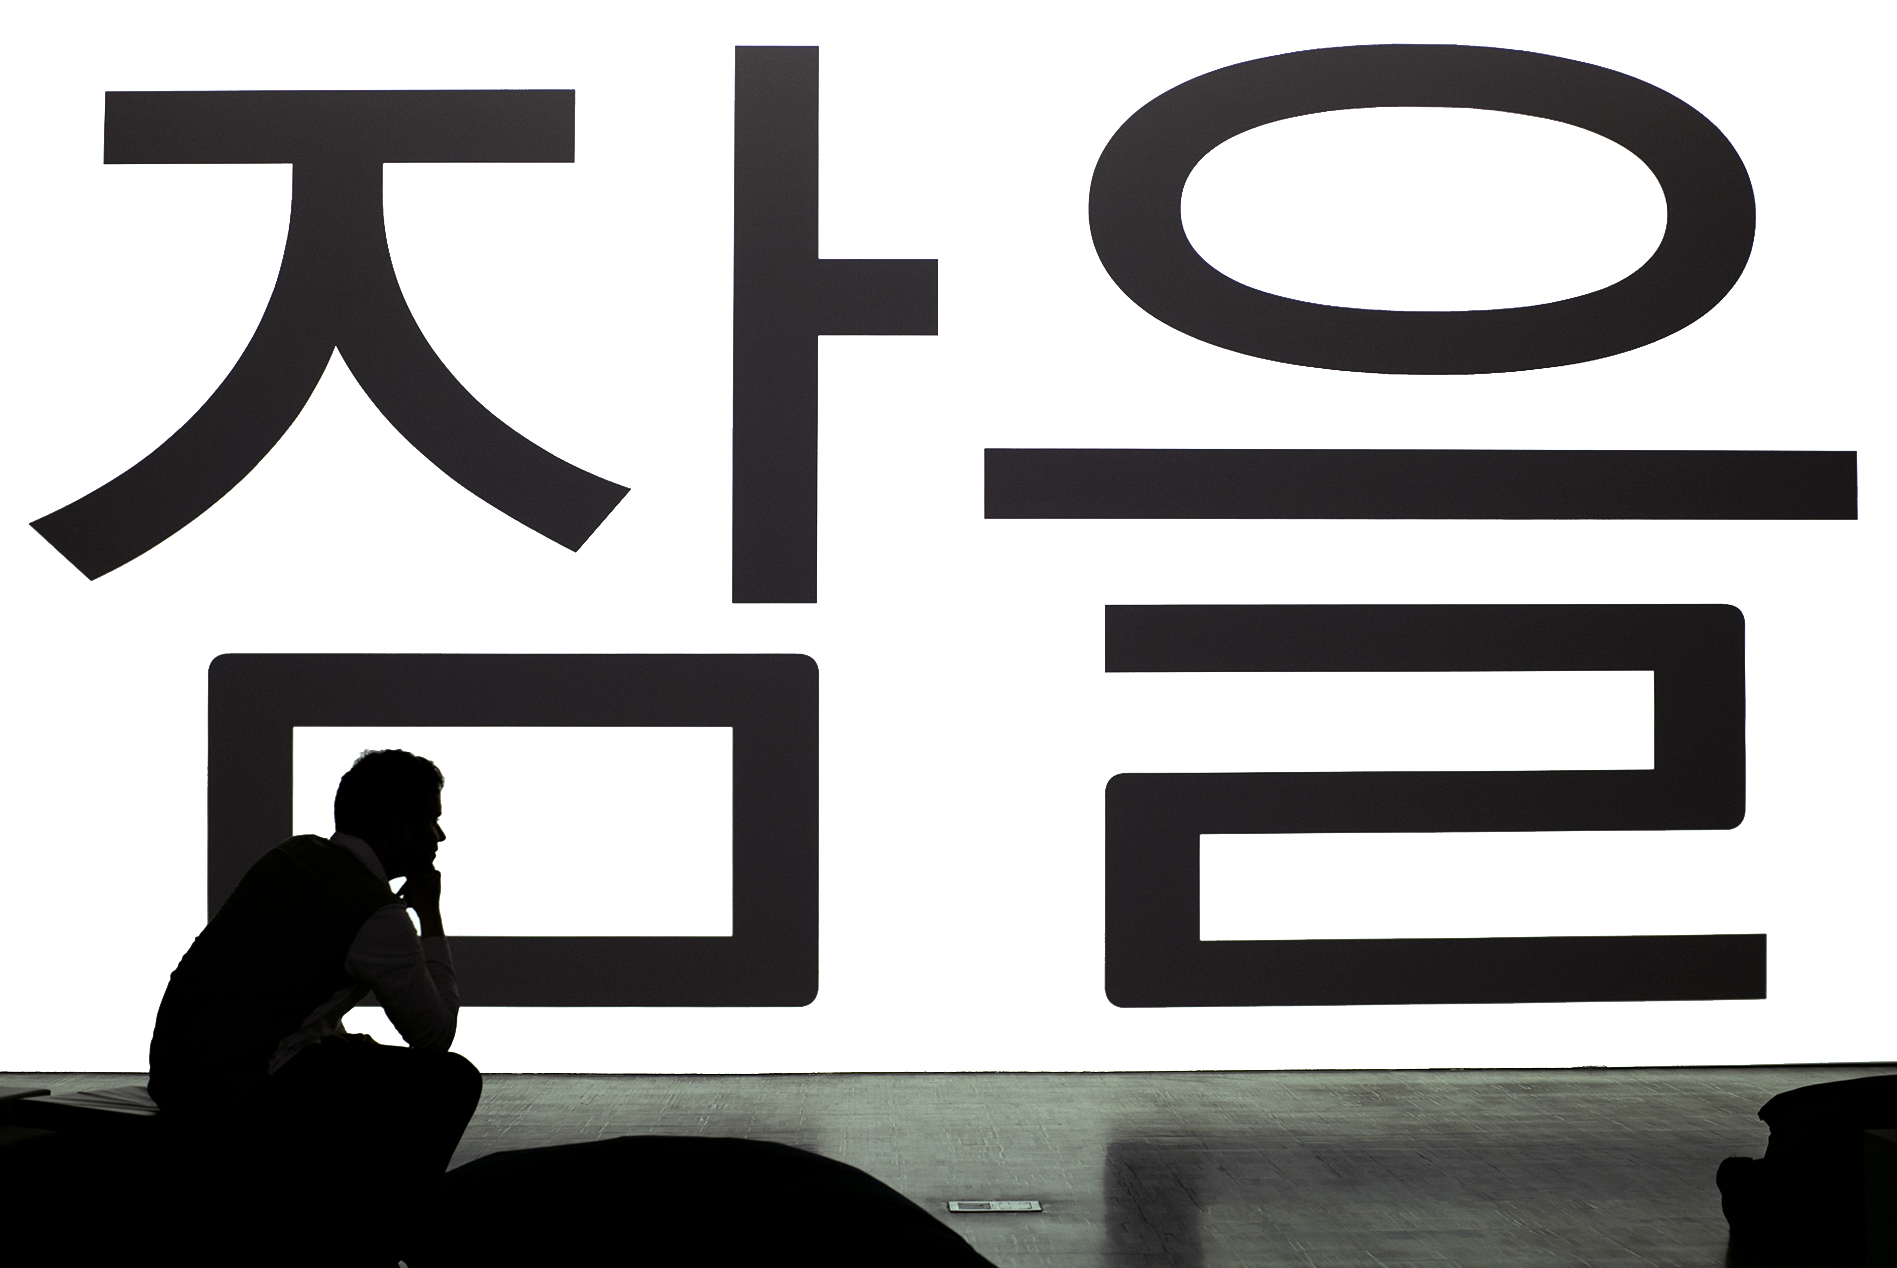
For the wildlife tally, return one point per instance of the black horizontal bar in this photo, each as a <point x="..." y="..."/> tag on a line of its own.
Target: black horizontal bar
<point x="1467" y="971"/>
<point x="1553" y="484"/>
<point x="876" y="297"/>
<point x="531" y="125"/>
<point x="1257" y="638"/>
<point x="632" y="972"/>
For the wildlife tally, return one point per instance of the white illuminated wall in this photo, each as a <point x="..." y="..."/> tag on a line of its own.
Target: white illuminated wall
<point x="968" y="729"/>
<point x="582" y="831"/>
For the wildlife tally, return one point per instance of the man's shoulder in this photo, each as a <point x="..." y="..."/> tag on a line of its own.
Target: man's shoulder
<point x="305" y="842"/>
<point x="320" y="860"/>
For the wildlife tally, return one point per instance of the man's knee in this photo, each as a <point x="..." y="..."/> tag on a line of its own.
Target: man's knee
<point x="450" y="1079"/>
<point x="461" y="1078"/>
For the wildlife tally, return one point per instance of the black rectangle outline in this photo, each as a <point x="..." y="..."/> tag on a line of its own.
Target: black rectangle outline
<point x="769" y="701"/>
<point x="1154" y="956"/>
<point x="1478" y="484"/>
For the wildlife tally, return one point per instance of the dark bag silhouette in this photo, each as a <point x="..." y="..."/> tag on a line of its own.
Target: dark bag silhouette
<point x="1803" y="1203"/>
<point x="676" y="1200"/>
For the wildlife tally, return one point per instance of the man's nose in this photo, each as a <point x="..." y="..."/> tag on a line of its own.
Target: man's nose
<point x="439" y="834"/>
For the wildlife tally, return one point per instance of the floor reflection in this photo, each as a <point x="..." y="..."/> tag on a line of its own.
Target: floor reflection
<point x="1153" y="1205"/>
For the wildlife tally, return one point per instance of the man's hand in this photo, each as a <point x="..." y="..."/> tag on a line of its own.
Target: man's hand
<point x="422" y="891"/>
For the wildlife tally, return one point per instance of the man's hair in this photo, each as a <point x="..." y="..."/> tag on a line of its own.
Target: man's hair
<point x="387" y="785"/>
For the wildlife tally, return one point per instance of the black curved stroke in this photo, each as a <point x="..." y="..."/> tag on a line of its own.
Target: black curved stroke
<point x="1134" y="210"/>
<point x="336" y="289"/>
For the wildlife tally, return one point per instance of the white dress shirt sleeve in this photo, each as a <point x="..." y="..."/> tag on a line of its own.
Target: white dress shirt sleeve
<point x="412" y="977"/>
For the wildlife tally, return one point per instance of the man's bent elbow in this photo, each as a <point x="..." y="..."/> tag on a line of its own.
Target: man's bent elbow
<point x="439" y="1040"/>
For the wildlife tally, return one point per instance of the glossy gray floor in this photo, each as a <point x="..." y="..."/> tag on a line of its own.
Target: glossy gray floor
<point x="1510" y="1168"/>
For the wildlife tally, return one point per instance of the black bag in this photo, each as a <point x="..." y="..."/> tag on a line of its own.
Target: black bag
<point x="664" y="1200"/>
<point x="1803" y="1203"/>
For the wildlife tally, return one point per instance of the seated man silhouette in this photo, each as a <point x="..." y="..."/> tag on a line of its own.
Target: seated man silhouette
<point x="299" y="1120"/>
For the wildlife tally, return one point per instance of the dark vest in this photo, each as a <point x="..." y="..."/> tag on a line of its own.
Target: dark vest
<point x="271" y="956"/>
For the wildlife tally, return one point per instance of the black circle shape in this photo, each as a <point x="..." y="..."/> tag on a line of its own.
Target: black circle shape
<point x="1137" y="184"/>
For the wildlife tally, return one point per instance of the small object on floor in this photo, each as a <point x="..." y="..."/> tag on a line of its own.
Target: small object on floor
<point x="706" y="1201"/>
<point x="968" y="1206"/>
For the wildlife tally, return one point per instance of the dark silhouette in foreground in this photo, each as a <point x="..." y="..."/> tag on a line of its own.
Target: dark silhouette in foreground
<point x="1804" y="1203"/>
<point x="710" y="1201"/>
<point x="290" y="1122"/>
<point x="278" y="1137"/>
<point x="115" y="1194"/>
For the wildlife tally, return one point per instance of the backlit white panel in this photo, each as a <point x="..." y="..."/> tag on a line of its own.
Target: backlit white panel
<point x="1423" y="208"/>
<point x="1473" y="885"/>
<point x="579" y="831"/>
<point x="968" y="730"/>
<point x="1555" y="720"/>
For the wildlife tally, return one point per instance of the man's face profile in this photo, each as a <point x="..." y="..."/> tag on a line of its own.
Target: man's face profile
<point x="407" y="845"/>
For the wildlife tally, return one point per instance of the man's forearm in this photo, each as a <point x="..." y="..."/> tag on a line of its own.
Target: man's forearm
<point x="413" y="977"/>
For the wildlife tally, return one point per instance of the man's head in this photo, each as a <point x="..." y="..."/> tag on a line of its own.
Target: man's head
<point x="392" y="799"/>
